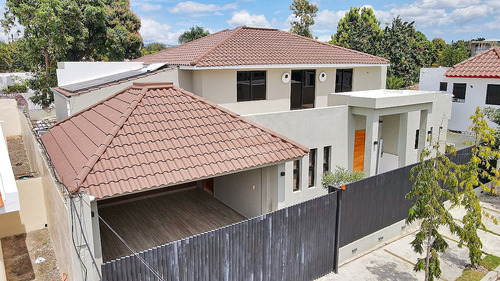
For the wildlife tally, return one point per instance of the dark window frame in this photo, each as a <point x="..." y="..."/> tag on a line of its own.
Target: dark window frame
<point x="443" y="86"/>
<point x="312" y="167"/>
<point x="253" y="94"/>
<point x="459" y="92"/>
<point x="296" y="175"/>
<point x="493" y="94"/>
<point x="339" y="80"/>
<point x="326" y="158"/>
<point x="417" y="136"/>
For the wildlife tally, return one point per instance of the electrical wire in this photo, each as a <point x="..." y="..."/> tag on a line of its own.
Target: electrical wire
<point x="41" y="267"/>
<point x="133" y="251"/>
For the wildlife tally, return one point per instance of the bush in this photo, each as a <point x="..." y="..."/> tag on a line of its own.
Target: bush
<point x="16" y="88"/>
<point x="340" y="177"/>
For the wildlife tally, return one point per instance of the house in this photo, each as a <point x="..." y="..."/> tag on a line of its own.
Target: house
<point x="474" y="82"/>
<point x="253" y="116"/>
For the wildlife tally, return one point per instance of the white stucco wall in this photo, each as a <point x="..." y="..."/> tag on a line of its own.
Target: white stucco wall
<point x="313" y="128"/>
<point x="74" y="72"/>
<point x="475" y="95"/>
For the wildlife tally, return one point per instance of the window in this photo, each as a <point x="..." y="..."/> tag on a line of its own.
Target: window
<point x="296" y="175"/>
<point x="312" y="167"/>
<point x="326" y="159"/>
<point x="343" y="80"/>
<point x="417" y="132"/>
<point x="251" y="85"/>
<point x="443" y="86"/>
<point x="493" y="94"/>
<point x="302" y="89"/>
<point x="459" y="92"/>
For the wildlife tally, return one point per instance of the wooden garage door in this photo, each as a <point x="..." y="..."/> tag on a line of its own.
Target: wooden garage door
<point x="359" y="150"/>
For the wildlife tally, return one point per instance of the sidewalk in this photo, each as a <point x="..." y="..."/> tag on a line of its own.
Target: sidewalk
<point x="395" y="261"/>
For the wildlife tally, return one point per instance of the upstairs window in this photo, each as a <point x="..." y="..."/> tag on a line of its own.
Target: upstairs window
<point x="326" y="159"/>
<point x="493" y="94"/>
<point x="343" y="80"/>
<point x="251" y="85"/>
<point x="296" y="175"/>
<point x="443" y="86"/>
<point x="459" y="92"/>
<point x="312" y="167"/>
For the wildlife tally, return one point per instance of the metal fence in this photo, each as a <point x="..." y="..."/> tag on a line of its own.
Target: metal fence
<point x="295" y="243"/>
<point x="379" y="201"/>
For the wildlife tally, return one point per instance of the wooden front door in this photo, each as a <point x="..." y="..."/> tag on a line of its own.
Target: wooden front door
<point x="359" y="150"/>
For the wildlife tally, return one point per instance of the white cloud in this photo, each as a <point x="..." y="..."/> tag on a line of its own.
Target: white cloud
<point x="324" y="38"/>
<point x="153" y="31"/>
<point x="327" y="18"/>
<point x="446" y="4"/>
<point x="245" y="18"/>
<point x="191" y="7"/>
<point x="150" y="7"/>
<point x="464" y="15"/>
<point x="423" y="17"/>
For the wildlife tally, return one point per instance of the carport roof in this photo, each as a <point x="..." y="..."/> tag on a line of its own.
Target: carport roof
<point x="153" y="135"/>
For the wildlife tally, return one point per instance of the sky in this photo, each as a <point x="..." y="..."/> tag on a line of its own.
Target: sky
<point x="164" y="20"/>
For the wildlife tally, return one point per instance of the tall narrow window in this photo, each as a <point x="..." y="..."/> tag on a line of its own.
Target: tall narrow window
<point x="443" y="86"/>
<point x="493" y="94"/>
<point x="251" y="85"/>
<point x="343" y="80"/>
<point x="296" y="175"/>
<point x="312" y="167"/>
<point x="417" y="133"/>
<point x="459" y="92"/>
<point x="326" y="159"/>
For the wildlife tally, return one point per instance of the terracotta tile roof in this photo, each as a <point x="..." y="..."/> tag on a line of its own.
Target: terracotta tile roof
<point x="152" y="135"/>
<point x="484" y="65"/>
<point x="258" y="46"/>
<point x="104" y="85"/>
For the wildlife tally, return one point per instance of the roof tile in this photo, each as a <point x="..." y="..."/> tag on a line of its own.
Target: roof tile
<point x="484" y="65"/>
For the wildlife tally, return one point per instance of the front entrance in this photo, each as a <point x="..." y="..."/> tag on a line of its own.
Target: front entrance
<point x="303" y="89"/>
<point x="359" y="150"/>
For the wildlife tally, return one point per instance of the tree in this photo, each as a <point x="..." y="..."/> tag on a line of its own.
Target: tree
<point x="394" y="82"/>
<point x="152" y="48"/>
<point x="193" y="33"/>
<point x="455" y="53"/>
<point x="340" y="177"/>
<point x="5" y="58"/>
<point x="428" y="194"/>
<point x="359" y="30"/>
<point x="304" y="13"/>
<point x="494" y="116"/>
<point x="477" y="165"/>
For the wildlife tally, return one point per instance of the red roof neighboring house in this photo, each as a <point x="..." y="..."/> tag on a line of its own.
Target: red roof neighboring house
<point x="156" y="134"/>
<point x="484" y="65"/>
<point x="258" y="46"/>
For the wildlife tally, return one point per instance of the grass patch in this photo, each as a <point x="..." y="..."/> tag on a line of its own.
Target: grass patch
<point x="470" y="275"/>
<point x="490" y="262"/>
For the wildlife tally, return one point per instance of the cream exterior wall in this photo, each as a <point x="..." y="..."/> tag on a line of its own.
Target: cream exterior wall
<point x="9" y="117"/>
<point x="368" y="78"/>
<point x="313" y="128"/>
<point x="475" y="95"/>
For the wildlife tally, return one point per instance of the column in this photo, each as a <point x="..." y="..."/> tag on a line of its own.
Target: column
<point x="371" y="148"/>
<point x="422" y="136"/>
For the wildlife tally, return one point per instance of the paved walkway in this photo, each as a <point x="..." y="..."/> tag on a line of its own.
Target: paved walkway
<point x="395" y="261"/>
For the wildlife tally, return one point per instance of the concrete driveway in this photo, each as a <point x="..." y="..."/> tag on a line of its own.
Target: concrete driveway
<point x="395" y="260"/>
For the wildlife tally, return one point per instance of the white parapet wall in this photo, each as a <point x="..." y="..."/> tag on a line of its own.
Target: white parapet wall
<point x="75" y="72"/>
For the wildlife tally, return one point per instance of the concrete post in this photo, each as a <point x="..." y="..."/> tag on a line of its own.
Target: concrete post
<point x="405" y="141"/>
<point x="422" y="136"/>
<point x="82" y="232"/>
<point x="371" y="148"/>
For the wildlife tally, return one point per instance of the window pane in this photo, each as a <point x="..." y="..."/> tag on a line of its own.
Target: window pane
<point x="326" y="159"/>
<point x="443" y="86"/>
<point x="493" y="94"/>
<point x="243" y="85"/>
<point x="338" y="81"/>
<point x="312" y="167"/>
<point x="296" y="175"/>
<point x="417" y="133"/>
<point x="296" y="90"/>
<point x="310" y="76"/>
<point x="347" y="80"/>
<point x="258" y="85"/>
<point x="459" y="92"/>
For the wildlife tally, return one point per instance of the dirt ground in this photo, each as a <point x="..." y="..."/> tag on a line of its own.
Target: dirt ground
<point x="18" y="157"/>
<point x="30" y="256"/>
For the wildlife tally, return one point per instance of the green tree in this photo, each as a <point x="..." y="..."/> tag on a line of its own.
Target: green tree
<point x="304" y="13"/>
<point x="394" y="82"/>
<point x="195" y="32"/>
<point x="428" y="194"/>
<point x="152" y="48"/>
<point x="359" y="30"/>
<point x="340" y="176"/>
<point x="478" y="165"/>
<point x="455" y="53"/>
<point x="5" y="57"/>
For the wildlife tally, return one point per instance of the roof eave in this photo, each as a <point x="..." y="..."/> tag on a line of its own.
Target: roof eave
<point x="280" y="66"/>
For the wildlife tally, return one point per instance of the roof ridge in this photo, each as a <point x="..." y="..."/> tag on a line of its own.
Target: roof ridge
<point x="243" y="119"/>
<point x="495" y="50"/>
<point x="80" y="178"/>
<point x="204" y="54"/>
<point x="335" y="46"/>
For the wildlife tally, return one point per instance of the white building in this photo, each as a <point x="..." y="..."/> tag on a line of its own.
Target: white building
<point x="473" y="83"/>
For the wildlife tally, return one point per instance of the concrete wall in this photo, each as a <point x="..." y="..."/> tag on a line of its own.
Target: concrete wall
<point x="74" y="72"/>
<point x="31" y="215"/>
<point x="475" y="95"/>
<point x="369" y="78"/>
<point x="82" y="101"/>
<point x="9" y="117"/>
<point x="313" y="128"/>
<point x="56" y="211"/>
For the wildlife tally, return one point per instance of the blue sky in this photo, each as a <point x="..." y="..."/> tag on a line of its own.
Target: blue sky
<point x="164" y="20"/>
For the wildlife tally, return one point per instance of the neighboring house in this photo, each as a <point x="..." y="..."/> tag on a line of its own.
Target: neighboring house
<point x="327" y="105"/>
<point x="478" y="47"/>
<point x="474" y="82"/>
